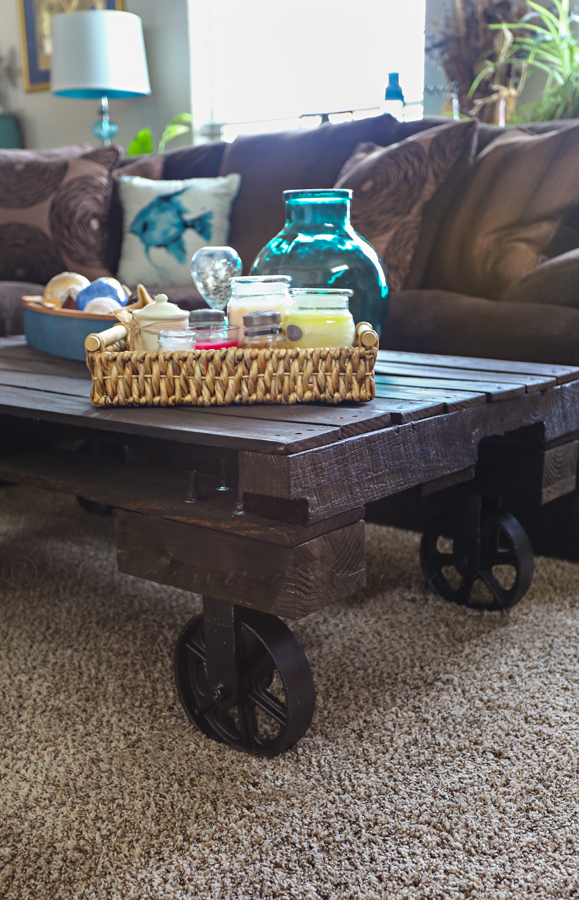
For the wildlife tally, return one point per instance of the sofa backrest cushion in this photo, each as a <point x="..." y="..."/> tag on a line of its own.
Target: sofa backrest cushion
<point x="292" y="160"/>
<point x="509" y="210"/>
<point x="393" y="187"/>
<point x="200" y="161"/>
<point x="54" y="210"/>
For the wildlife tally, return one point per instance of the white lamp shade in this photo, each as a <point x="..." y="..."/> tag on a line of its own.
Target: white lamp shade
<point x="98" y="52"/>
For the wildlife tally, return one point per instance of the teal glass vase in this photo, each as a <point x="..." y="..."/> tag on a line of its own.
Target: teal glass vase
<point x="319" y="248"/>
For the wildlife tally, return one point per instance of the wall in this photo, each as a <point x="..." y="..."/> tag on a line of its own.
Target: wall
<point x="435" y="90"/>
<point x="53" y="121"/>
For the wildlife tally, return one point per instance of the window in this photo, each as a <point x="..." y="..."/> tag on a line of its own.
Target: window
<point x="267" y="63"/>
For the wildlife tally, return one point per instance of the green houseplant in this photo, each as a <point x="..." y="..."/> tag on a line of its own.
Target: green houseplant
<point x="143" y="142"/>
<point x="464" y="43"/>
<point x="545" y="41"/>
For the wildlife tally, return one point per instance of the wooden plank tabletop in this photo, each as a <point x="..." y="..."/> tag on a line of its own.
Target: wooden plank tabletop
<point x="562" y="374"/>
<point x="409" y="387"/>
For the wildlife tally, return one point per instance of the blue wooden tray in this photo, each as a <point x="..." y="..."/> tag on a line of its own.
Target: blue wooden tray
<point x="61" y="332"/>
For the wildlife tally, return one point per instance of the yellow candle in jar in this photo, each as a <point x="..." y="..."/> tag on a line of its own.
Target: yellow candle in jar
<point x="319" y="318"/>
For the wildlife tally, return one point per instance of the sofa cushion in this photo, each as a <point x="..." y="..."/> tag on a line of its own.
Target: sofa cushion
<point x="292" y="160"/>
<point x="429" y="321"/>
<point x="511" y="207"/>
<point x="393" y="187"/>
<point x="555" y="282"/>
<point x="165" y="222"/>
<point x="11" y="292"/>
<point x="201" y="161"/>
<point x="54" y="211"/>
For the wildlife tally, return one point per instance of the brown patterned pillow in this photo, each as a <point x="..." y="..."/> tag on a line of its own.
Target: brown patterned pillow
<point x="53" y="212"/>
<point x="512" y="205"/>
<point x="402" y="191"/>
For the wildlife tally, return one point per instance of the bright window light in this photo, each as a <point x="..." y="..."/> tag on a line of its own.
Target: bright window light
<point x="273" y="60"/>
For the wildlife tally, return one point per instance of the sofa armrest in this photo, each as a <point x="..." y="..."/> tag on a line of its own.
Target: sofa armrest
<point x="555" y="281"/>
<point x="431" y="321"/>
<point x="11" y="320"/>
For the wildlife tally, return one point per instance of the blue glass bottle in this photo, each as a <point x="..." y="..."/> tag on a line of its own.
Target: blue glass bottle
<point x="319" y="248"/>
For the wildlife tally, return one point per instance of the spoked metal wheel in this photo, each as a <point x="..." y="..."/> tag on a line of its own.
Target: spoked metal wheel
<point x="482" y="560"/>
<point x="271" y="704"/>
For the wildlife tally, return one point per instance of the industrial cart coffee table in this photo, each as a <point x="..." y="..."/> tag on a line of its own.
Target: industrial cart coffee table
<point x="261" y="508"/>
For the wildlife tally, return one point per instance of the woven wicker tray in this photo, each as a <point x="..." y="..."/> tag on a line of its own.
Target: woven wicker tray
<point x="223" y="377"/>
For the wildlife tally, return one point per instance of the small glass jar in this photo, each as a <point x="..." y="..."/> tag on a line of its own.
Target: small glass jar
<point x="207" y="319"/>
<point x="258" y="293"/>
<point x="177" y="340"/>
<point x="263" y="330"/>
<point x="319" y="317"/>
<point x="216" y="338"/>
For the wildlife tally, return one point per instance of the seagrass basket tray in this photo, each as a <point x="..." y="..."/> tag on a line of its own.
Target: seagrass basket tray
<point x="123" y="377"/>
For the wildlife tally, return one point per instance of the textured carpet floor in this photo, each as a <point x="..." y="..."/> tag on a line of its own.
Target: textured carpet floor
<point x="441" y="762"/>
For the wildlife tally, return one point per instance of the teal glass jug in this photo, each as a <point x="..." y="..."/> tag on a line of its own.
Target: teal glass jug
<point x="319" y="248"/>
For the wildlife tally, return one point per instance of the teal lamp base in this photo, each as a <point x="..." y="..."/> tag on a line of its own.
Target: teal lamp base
<point x="103" y="128"/>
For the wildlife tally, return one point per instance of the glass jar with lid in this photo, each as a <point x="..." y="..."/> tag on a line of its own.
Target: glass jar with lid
<point x="263" y="330"/>
<point x="320" y="317"/>
<point x="207" y="319"/>
<point x="257" y="293"/>
<point x="183" y="340"/>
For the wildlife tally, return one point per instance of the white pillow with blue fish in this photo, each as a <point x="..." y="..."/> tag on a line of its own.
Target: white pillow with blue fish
<point x="165" y="222"/>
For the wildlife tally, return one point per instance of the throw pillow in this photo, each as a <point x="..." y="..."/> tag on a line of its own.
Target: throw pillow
<point x="293" y="160"/>
<point x="393" y="187"/>
<point x="54" y="209"/>
<point x="513" y="202"/>
<point x="165" y="222"/>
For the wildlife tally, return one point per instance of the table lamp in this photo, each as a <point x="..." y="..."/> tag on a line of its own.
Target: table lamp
<point x="99" y="54"/>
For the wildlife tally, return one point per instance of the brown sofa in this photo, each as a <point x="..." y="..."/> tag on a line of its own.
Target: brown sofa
<point x="537" y="319"/>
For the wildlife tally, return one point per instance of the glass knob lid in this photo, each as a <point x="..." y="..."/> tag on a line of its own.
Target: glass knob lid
<point x="211" y="271"/>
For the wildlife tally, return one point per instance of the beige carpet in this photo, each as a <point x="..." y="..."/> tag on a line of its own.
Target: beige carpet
<point x="441" y="763"/>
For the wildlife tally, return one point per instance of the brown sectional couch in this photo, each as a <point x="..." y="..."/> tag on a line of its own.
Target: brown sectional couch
<point x="537" y="319"/>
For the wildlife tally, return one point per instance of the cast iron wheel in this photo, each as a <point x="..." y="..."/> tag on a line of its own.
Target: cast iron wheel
<point x="276" y="696"/>
<point x="456" y="576"/>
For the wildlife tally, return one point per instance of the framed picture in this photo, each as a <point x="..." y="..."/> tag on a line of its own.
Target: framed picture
<point x="35" y="38"/>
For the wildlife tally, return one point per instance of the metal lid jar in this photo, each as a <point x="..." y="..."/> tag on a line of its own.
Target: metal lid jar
<point x="256" y="293"/>
<point x="320" y="317"/>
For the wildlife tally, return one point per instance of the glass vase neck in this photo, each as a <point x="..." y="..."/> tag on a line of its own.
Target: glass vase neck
<point x="328" y="207"/>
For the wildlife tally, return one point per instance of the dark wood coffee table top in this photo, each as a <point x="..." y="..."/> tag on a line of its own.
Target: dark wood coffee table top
<point x="410" y="387"/>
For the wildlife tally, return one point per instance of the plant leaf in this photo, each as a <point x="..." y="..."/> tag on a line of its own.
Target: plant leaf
<point x="170" y="132"/>
<point x="141" y="144"/>
<point x="181" y="117"/>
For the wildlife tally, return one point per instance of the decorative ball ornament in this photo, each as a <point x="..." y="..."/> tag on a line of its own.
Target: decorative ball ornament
<point x="63" y="286"/>
<point x="102" y="287"/>
<point x="212" y="269"/>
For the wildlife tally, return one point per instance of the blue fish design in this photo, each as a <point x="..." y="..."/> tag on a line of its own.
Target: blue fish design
<point x="164" y="221"/>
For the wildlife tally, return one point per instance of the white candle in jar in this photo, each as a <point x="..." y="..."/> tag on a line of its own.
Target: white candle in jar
<point x="258" y="293"/>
